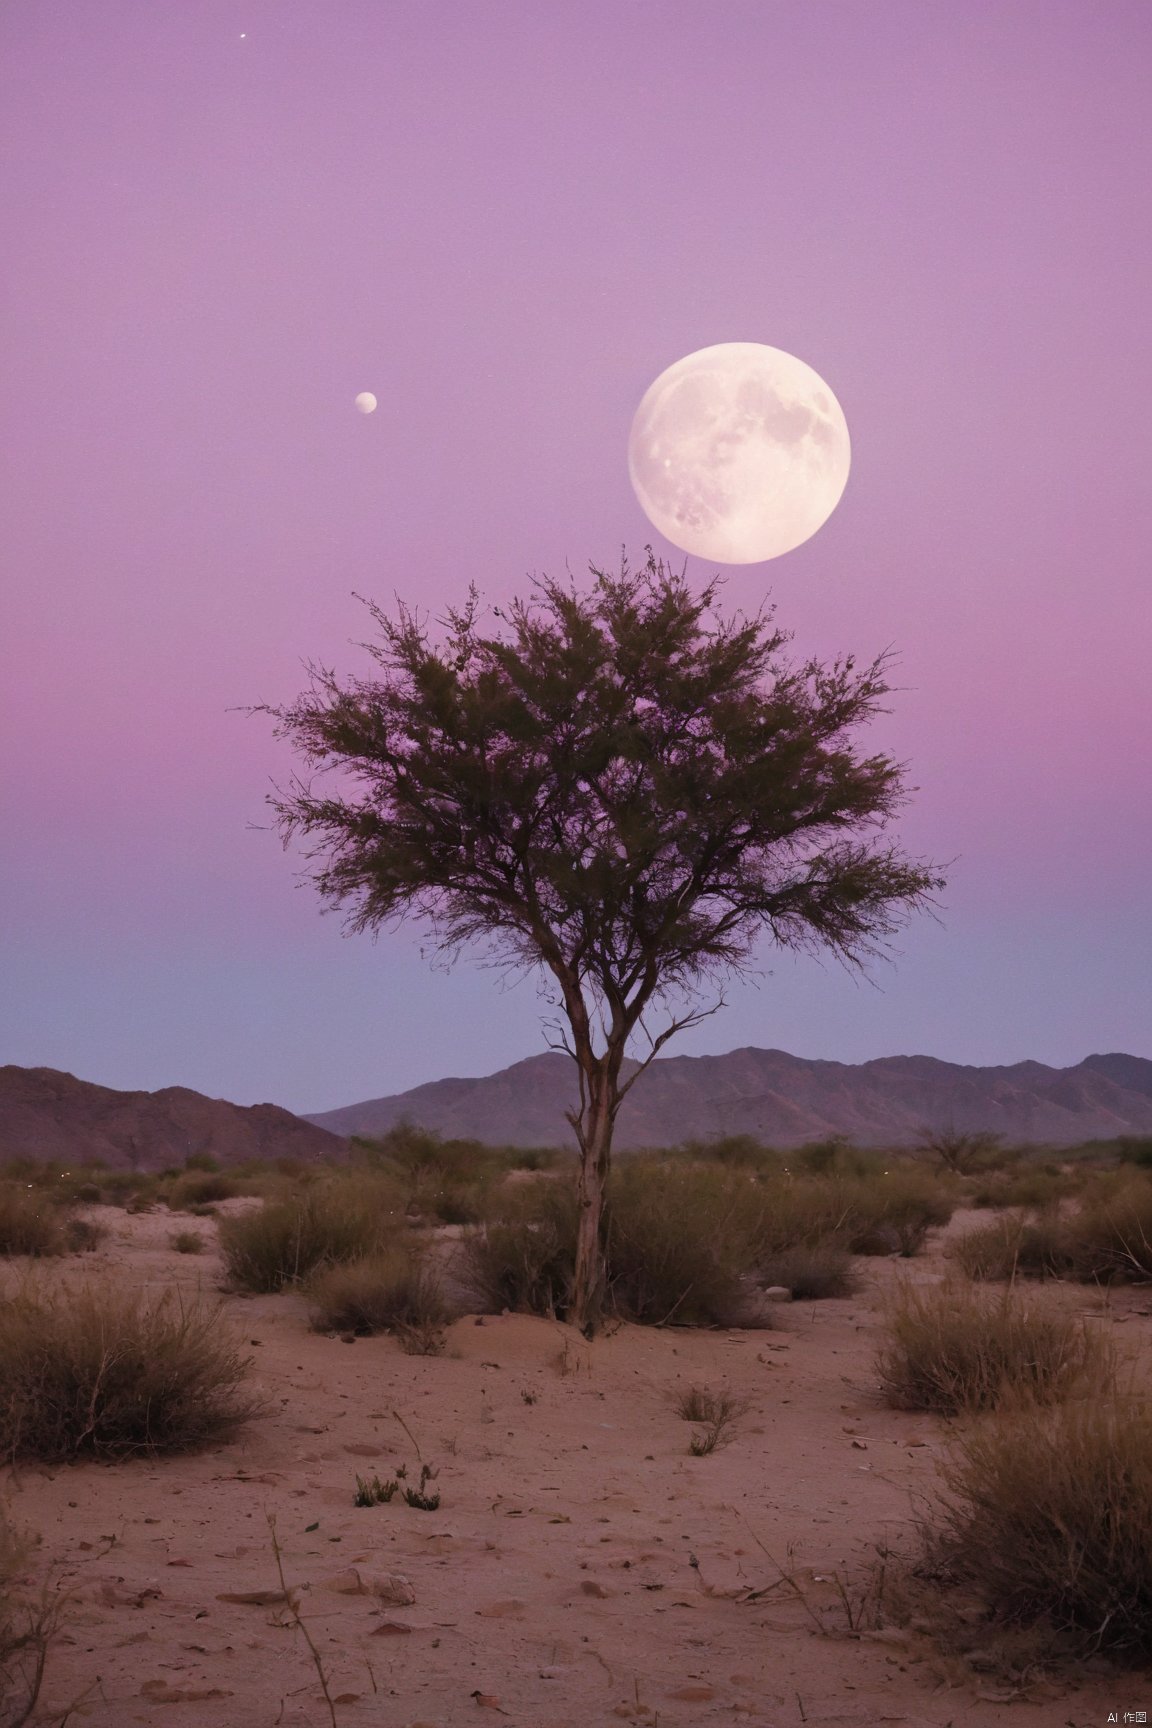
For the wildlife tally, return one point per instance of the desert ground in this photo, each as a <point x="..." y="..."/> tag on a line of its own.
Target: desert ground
<point x="581" y="1569"/>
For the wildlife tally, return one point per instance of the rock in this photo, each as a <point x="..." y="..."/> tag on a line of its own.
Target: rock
<point x="777" y="1293"/>
<point x="391" y="1587"/>
<point x="346" y="1583"/>
<point x="589" y="1587"/>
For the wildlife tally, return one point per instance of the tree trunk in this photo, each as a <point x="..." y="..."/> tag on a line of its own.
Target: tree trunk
<point x="589" y="1282"/>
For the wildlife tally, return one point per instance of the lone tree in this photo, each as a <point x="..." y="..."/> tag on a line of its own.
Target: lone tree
<point x="623" y="788"/>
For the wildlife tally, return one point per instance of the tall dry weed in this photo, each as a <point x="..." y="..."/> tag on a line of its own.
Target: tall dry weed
<point x="1047" y="1514"/>
<point x="326" y="1223"/>
<point x="104" y="1373"/>
<point x="952" y="1348"/>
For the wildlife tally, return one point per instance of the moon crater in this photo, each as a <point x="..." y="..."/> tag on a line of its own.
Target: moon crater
<point x="739" y="452"/>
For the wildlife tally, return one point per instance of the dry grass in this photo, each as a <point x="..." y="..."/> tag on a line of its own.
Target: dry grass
<point x="83" y="1235"/>
<point x="203" y="1188"/>
<point x="811" y="1273"/>
<point x="681" y="1244"/>
<point x="327" y="1223"/>
<point x="187" y="1242"/>
<point x="717" y="1413"/>
<point x="1110" y="1238"/>
<point x="952" y="1349"/>
<point x="30" y="1221"/>
<point x="29" y="1620"/>
<point x="1047" y="1515"/>
<point x="523" y="1258"/>
<point x="392" y="1292"/>
<point x="101" y="1373"/>
<point x="1013" y="1247"/>
<point x="893" y="1212"/>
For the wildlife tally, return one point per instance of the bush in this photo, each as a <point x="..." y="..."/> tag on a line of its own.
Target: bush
<point x="718" y="1413"/>
<point x="202" y="1161"/>
<point x="83" y="1236"/>
<point x="283" y="1241"/>
<point x="29" y="1222"/>
<point x="951" y="1349"/>
<point x="1135" y="1149"/>
<point x="448" y="1180"/>
<point x="28" y="1623"/>
<point x="789" y="1212"/>
<point x="811" y="1273"/>
<point x="106" y="1374"/>
<point x="132" y="1189"/>
<point x="1013" y="1247"/>
<point x="894" y="1213"/>
<point x="963" y="1153"/>
<point x="1038" y="1189"/>
<point x="186" y="1242"/>
<point x="392" y="1292"/>
<point x="741" y="1150"/>
<point x="199" y="1187"/>
<point x="681" y="1244"/>
<point x="1049" y="1515"/>
<point x="1110" y="1239"/>
<point x="524" y="1258"/>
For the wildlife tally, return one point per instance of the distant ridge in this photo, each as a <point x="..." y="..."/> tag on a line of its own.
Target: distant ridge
<point x="783" y="1100"/>
<point x="52" y="1116"/>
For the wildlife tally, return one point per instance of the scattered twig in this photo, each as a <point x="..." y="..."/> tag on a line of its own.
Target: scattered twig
<point x="291" y="1599"/>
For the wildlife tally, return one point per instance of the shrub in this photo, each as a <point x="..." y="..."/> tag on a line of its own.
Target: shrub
<point x="1110" y="1239"/>
<point x="789" y="1212"/>
<point x="134" y="1190"/>
<point x="198" y="1187"/>
<point x="811" y="1273"/>
<point x="1013" y="1247"/>
<point x="681" y="1244"/>
<point x="822" y="1157"/>
<point x="952" y="1349"/>
<point x="108" y="1374"/>
<point x="718" y="1414"/>
<point x="186" y="1242"/>
<point x="344" y="1218"/>
<point x="703" y="1404"/>
<point x="1039" y="1189"/>
<point x="1135" y="1149"/>
<point x="894" y="1213"/>
<point x="742" y="1150"/>
<point x="28" y="1623"/>
<point x="202" y="1161"/>
<point x="963" y="1153"/>
<point x="392" y="1292"/>
<point x="29" y="1222"/>
<point x="888" y="1210"/>
<point x="524" y="1258"/>
<point x="1049" y="1515"/>
<point x="83" y="1236"/>
<point x="444" y="1179"/>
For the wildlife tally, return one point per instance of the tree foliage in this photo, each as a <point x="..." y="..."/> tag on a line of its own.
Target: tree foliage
<point x="621" y="785"/>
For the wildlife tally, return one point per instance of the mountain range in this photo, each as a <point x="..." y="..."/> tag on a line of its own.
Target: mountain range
<point x="48" y="1115"/>
<point x="782" y="1100"/>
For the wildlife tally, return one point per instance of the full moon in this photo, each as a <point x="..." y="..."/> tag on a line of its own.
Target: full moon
<point x="738" y="453"/>
<point x="366" y="402"/>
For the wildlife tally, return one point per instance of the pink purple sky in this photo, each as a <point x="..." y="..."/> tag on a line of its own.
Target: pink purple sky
<point x="222" y="220"/>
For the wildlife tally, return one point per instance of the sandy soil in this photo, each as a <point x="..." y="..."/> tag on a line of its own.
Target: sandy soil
<point x="582" y="1569"/>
